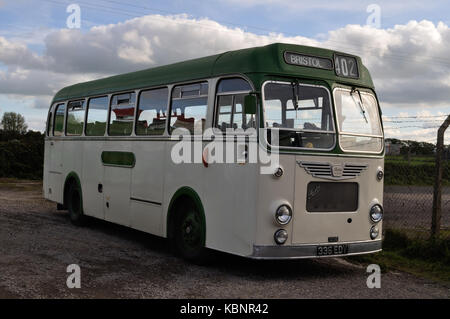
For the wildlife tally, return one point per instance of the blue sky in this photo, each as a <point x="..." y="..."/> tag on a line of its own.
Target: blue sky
<point x="307" y="20"/>
<point x="35" y="29"/>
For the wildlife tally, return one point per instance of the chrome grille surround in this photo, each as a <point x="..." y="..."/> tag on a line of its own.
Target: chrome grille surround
<point x="333" y="171"/>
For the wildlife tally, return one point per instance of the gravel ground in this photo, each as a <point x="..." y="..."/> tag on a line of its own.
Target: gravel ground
<point x="37" y="243"/>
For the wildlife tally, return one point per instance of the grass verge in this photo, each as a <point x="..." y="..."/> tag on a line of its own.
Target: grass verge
<point x="426" y="258"/>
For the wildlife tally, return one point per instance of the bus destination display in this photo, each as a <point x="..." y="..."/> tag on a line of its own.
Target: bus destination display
<point x="344" y="66"/>
<point x="307" y="60"/>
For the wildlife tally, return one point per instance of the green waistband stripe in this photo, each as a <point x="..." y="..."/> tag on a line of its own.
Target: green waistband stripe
<point x="114" y="158"/>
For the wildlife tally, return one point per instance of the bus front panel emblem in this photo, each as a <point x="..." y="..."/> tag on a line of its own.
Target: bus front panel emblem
<point x="337" y="170"/>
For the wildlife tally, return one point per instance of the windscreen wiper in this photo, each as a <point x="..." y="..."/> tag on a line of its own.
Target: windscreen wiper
<point x="360" y="103"/>
<point x="295" y="94"/>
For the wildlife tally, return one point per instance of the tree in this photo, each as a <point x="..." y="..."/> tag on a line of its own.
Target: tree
<point x="14" y="122"/>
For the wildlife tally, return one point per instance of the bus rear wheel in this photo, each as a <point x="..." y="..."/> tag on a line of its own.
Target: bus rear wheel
<point x="75" y="205"/>
<point x="189" y="234"/>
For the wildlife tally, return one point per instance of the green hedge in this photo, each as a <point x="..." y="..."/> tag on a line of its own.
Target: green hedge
<point x="21" y="156"/>
<point x="418" y="174"/>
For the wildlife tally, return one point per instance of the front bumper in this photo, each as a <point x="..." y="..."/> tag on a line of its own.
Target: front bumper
<point x="310" y="251"/>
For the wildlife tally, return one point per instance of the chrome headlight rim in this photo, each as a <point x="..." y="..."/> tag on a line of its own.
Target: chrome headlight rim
<point x="279" y="214"/>
<point x="380" y="213"/>
<point x="280" y="240"/>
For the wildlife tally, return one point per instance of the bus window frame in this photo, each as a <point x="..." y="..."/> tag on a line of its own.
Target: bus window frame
<point x="87" y="112"/>
<point x="208" y="101"/>
<point x="366" y="92"/>
<point x="332" y="111"/>
<point x="215" y="129"/>
<point x="49" y="126"/>
<point x="63" y="132"/>
<point x="110" y="96"/>
<point x="136" y="115"/>
<point x="66" y="117"/>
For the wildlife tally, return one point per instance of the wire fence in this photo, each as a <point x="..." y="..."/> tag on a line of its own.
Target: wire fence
<point x="408" y="195"/>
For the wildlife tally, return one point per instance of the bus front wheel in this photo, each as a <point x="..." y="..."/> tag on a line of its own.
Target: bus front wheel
<point x="189" y="234"/>
<point x="75" y="205"/>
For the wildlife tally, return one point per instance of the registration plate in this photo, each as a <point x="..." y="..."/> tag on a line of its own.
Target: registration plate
<point x="330" y="250"/>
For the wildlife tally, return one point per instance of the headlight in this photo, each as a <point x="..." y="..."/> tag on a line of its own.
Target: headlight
<point x="280" y="236"/>
<point x="374" y="232"/>
<point x="376" y="213"/>
<point x="283" y="215"/>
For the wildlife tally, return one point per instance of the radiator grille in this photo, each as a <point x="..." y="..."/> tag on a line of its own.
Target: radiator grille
<point x="332" y="197"/>
<point x="333" y="171"/>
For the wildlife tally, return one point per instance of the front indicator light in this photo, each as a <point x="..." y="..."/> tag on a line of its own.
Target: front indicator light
<point x="280" y="236"/>
<point x="374" y="232"/>
<point x="283" y="215"/>
<point x="279" y="172"/>
<point x="376" y="213"/>
<point x="380" y="174"/>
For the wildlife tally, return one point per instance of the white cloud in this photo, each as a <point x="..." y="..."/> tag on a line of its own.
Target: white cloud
<point x="14" y="53"/>
<point x="36" y="82"/>
<point x="42" y="102"/>
<point x="148" y="41"/>
<point x="35" y="123"/>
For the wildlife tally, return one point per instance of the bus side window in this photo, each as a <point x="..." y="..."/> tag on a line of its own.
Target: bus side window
<point x="151" y="112"/>
<point x="97" y="112"/>
<point x="224" y="110"/>
<point x="189" y="106"/>
<point x="121" y="116"/>
<point x="230" y="101"/>
<point x="75" y="118"/>
<point x="58" y="122"/>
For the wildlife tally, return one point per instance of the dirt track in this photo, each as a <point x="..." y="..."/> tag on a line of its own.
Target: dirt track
<point x="37" y="243"/>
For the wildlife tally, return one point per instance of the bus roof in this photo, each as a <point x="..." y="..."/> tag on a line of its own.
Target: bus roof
<point x="267" y="59"/>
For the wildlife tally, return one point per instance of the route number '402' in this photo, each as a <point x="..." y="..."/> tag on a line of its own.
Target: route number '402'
<point x="346" y="66"/>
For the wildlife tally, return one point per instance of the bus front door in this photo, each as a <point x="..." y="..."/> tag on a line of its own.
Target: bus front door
<point x="55" y="177"/>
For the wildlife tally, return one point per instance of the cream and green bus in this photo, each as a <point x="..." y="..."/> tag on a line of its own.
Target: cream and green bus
<point x="270" y="152"/>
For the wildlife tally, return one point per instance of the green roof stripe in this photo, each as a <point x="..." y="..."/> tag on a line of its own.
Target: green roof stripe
<point x="260" y="60"/>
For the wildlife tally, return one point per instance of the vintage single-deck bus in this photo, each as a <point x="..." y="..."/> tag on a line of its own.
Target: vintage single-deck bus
<point x="113" y="149"/>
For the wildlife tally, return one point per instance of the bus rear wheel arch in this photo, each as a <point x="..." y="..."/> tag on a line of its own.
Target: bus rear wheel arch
<point x="73" y="200"/>
<point x="187" y="229"/>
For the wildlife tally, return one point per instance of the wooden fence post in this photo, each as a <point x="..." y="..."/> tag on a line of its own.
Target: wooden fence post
<point x="437" y="194"/>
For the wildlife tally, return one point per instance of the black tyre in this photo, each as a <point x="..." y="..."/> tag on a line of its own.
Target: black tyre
<point x="189" y="234"/>
<point x="75" y="205"/>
